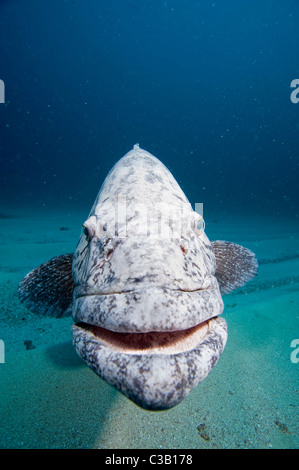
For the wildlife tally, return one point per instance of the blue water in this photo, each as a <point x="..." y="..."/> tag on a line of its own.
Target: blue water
<point x="205" y="87"/>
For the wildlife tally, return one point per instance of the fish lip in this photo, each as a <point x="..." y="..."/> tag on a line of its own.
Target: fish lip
<point x="153" y="381"/>
<point x="147" y="310"/>
<point x="85" y="291"/>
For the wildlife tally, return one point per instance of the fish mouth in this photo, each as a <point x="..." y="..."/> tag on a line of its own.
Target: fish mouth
<point x="153" y="342"/>
<point x="156" y="369"/>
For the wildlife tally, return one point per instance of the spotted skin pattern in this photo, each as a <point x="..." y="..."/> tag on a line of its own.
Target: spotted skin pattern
<point x="160" y="277"/>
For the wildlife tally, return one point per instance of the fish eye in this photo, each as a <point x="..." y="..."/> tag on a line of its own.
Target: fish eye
<point x="199" y="226"/>
<point x="86" y="233"/>
<point x="89" y="228"/>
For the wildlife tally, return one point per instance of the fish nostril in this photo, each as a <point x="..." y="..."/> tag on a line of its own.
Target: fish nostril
<point x="108" y="255"/>
<point x="183" y="249"/>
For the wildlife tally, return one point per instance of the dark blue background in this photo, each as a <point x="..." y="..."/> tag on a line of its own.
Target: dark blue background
<point x="203" y="85"/>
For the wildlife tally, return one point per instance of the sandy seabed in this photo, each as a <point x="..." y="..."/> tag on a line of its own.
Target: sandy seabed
<point x="51" y="399"/>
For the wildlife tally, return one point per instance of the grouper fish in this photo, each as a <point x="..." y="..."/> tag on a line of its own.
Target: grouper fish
<point x="144" y="286"/>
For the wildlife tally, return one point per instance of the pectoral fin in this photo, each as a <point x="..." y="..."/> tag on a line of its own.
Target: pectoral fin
<point x="235" y="265"/>
<point x="48" y="289"/>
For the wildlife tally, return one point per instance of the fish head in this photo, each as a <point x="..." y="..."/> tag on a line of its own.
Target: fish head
<point x="146" y="299"/>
